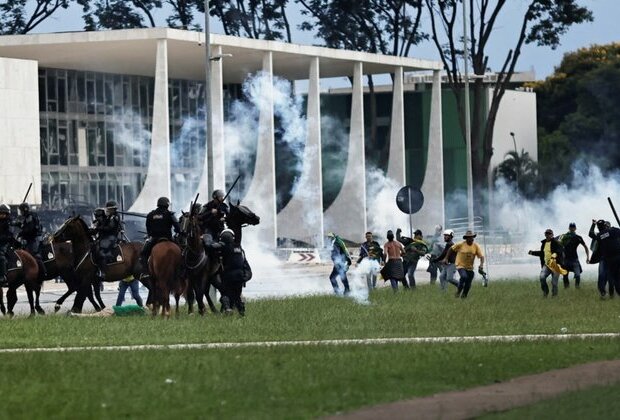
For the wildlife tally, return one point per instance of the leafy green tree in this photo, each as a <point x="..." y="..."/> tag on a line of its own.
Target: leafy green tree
<point x="258" y="19"/>
<point x="16" y="18"/>
<point x="542" y="22"/>
<point x="118" y="14"/>
<point x="577" y="113"/>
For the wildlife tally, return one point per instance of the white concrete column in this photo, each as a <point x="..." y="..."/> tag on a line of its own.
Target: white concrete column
<point x="261" y="195"/>
<point x="347" y="214"/>
<point x="432" y="213"/>
<point x="157" y="181"/>
<point x="217" y="113"/>
<point x="396" y="164"/>
<point x="302" y="218"/>
<point x="20" y="139"/>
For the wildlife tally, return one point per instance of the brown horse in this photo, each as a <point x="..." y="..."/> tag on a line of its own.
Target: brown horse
<point x="201" y="268"/>
<point x="165" y="272"/>
<point x="28" y="275"/>
<point x="62" y="266"/>
<point x="75" y="230"/>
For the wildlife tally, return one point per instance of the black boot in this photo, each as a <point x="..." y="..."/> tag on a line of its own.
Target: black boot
<point x="226" y="308"/>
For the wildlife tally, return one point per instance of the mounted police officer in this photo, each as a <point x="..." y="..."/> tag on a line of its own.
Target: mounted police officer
<point x="159" y="224"/>
<point x="212" y="217"/>
<point x="107" y="227"/>
<point x="235" y="271"/>
<point x="30" y="232"/>
<point x="6" y="240"/>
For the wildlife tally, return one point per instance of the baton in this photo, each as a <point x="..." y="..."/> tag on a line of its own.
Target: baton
<point x="131" y="213"/>
<point x="614" y="210"/>
<point x="193" y="204"/>
<point x="27" y="192"/>
<point x="231" y="188"/>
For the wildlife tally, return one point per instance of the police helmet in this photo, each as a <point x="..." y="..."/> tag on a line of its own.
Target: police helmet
<point x="163" y="202"/>
<point x="448" y="232"/>
<point x="111" y="204"/>
<point x="218" y="194"/>
<point x="24" y="207"/>
<point x="99" y="212"/>
<point x="197" y="207"/>
<point x="5" y="209"/>
<point x="227" y="235"/>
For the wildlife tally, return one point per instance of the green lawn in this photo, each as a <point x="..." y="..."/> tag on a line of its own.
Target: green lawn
<point x="503" y="308"/>
<point x="295" y="382"/>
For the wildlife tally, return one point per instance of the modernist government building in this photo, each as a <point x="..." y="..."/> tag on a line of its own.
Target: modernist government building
<point x="93" y="116"/>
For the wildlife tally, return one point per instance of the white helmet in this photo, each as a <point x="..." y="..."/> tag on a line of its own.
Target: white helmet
<point x="449" y="232"/>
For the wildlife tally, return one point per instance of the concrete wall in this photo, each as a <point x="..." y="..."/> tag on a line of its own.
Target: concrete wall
<point x="19" y="131"/>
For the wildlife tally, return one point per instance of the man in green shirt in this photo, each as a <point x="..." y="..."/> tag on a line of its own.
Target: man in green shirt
<point x="416" y="249"/>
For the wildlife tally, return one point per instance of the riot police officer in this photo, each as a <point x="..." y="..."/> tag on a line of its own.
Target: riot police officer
<point x="235" y="271"/>
<point x="30" y="232"/>
<point x="108" y="229"/>
<point x="212" y="217"/>
<point x="6" y="240"/>
<point x="159" y="224"/>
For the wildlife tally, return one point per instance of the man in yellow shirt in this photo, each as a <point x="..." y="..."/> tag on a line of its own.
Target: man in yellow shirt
<point x="466" y="253"/>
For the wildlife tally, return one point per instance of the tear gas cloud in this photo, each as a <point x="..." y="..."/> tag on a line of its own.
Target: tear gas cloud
<point x="583" y="199"/>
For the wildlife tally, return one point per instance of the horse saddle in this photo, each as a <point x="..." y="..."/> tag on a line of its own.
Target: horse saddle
<point x="46" y="250"/>
<point x="114" y="255"/>
<point x="13" y="261"/>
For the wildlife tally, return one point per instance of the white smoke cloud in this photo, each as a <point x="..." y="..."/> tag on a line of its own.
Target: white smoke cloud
<point x="383" y="213"/>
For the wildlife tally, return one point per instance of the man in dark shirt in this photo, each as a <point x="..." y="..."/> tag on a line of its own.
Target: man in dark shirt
<point x="159" y="224"/>
<point x="571" y="241"/>
<point x="373" y="253"/>
<point x="448" y="267"/>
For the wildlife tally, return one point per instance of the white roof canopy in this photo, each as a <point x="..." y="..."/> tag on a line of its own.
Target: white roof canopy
<point x="133" y="51"/>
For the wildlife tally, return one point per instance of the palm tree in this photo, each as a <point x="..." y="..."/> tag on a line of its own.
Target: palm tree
<point x="520" y="171"/>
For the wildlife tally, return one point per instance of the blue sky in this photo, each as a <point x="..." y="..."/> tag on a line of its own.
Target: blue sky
<point x="604" y="29"/>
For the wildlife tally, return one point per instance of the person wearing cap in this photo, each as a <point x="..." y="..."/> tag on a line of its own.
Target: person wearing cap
<point x="342" y="261"/>
<point x="416" y="249"/>
<point x="570" y="242"/>
<point x="373" y="254"/>
<point x="608" y="253"/>
<point x="393" y="269"/>
<point x="551" y="255"/>
<point x="466" y="253"/>
<point x="447" y="265"/>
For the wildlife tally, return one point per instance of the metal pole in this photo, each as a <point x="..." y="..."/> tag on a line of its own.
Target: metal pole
<point x="208" y="116"/>
<point x="470" y="187"/>
<point x="410" y="214"/>
<point x="518" y="161"/>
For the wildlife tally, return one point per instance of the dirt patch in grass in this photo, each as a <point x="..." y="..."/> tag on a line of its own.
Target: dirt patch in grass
<point x="517" y="392"/>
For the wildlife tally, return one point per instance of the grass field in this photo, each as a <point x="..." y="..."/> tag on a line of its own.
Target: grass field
<point x="294" y="382"/>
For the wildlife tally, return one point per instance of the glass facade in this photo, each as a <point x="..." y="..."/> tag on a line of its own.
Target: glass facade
<point x="95" y="134"/>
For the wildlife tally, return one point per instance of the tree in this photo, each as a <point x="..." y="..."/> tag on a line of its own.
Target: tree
<point x="541" y="23"/>
<point x="16" y="19"/>
<point x="258" y="19"/>
<point x="519" y="171"/>
<point x="118" y="14"/>
<point x="577" y="113"/>
<point x="389" y="27"/>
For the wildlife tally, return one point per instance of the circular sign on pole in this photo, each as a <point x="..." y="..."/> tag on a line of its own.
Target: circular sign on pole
<point x="409" y="199"/>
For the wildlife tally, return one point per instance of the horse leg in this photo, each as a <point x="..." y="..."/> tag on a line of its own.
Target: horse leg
<point x="30" y="294"/>
<point x="191" y="296"/>
<point x="97" y="290"/>
<point x="209" y="300"/>
<point x="37" y="305"/>
<point x="2" y="308"/>
<point x="199" y="294"/>
<point x="80" y="297"/>
<point x="11" y="299"/>
<point x="177" y="297"/>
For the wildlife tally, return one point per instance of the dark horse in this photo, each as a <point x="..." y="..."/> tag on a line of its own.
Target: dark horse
<point x="62" y="265"/>
<point x="28" y="275"/>
<point x="165" y="272"/>
<point x="200" y="267"/>
<point x="239" y="217"/>
<point x="75" y="230"/>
